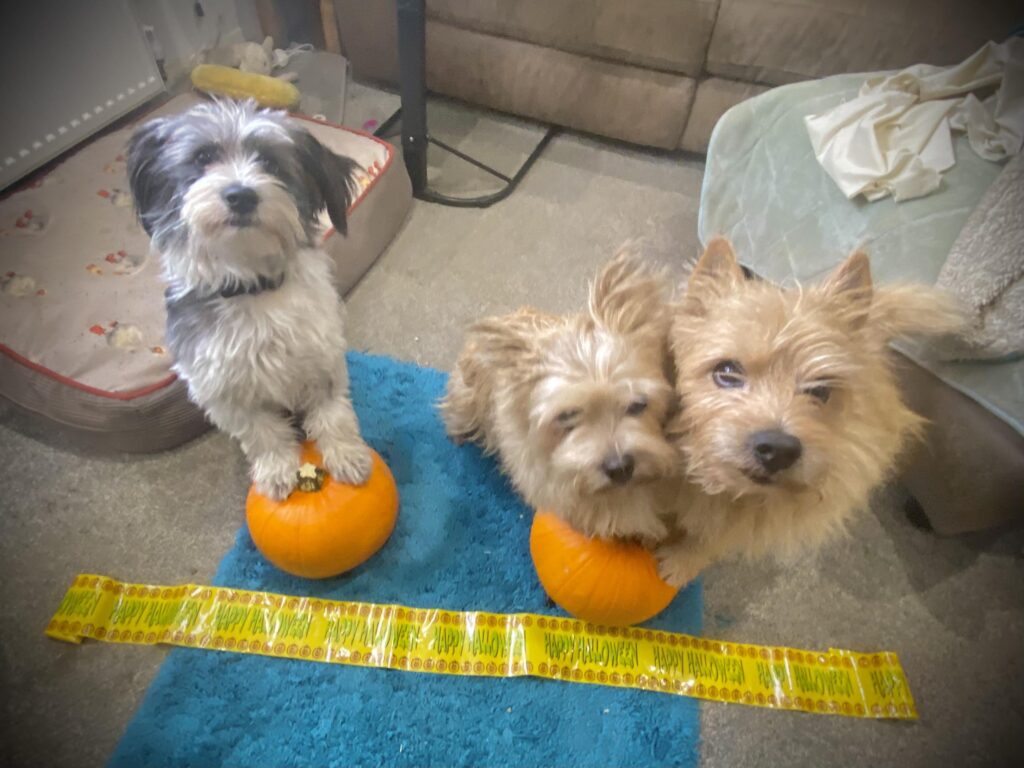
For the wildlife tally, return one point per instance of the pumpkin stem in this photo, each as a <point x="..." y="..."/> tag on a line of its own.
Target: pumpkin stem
<point x="311" y="478"/>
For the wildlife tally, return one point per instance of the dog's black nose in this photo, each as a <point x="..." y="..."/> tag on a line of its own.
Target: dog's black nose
<point x="775" y="450"/>
<point x="240" y="199"/>
<point x="618" y="467"/>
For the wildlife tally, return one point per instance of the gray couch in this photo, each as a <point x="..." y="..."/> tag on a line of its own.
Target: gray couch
<point x="658" y="72"/>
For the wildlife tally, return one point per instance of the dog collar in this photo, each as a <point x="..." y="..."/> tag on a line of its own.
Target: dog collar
<point x="262" y="284"/>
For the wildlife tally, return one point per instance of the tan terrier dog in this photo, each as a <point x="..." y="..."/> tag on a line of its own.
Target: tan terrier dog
<point x="791" y="413"/>
<point x="575" y="406"/>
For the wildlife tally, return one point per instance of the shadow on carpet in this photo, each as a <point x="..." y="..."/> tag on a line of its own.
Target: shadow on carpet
<point x="461" y="543"/>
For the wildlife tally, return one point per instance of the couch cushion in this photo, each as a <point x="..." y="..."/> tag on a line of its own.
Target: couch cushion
<point x="602" y="97"/>
<point x="966" y="471"/>
<point x="81" y="300"/>
<point x="785" y="41"/>
<point x="714" y="98"/>
<point x="671" y="35"/>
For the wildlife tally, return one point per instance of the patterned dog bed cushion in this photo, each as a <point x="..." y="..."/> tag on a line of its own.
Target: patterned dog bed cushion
<point x="81" y="300"/>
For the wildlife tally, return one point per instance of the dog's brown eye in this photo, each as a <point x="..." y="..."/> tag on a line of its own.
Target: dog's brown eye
<point x="270" y="165"/>
<point x="204" y="156"/>
<point x="821" y="392"/>
<point x="728" y="374"/>
<point x="567" y="419"/>
<point x="638" y="406"/>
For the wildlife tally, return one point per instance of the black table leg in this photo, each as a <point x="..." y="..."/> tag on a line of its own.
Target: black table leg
<point x="412" y="65"/>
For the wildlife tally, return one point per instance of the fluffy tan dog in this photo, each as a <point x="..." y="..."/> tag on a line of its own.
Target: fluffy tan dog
<point x="790" y="412"/>
<point x="575" y="406"/>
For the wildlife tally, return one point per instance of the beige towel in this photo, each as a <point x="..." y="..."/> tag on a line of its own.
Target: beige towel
<point x="895" y="137"/>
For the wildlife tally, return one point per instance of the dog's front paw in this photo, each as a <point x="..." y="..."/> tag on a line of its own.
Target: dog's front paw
<point x="677" y="564"/>
<point x="348" y="462"/>
<point x="276" y="476"/>
<point x="650" y="542"/>
<point x="652" y="534"/>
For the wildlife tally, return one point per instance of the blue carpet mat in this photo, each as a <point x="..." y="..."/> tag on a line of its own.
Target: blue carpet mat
<point x="461" y="543"/>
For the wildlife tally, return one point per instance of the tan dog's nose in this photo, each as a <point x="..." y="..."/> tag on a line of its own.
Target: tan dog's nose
<point x="775" y="450"/>
<point x="619" y="467"/>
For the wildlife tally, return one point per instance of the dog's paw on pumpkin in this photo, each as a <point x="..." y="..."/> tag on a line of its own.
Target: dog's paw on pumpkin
<point x="348" y="462"/>
<point x="678" y="564"/>
<point x="275" y="476"/>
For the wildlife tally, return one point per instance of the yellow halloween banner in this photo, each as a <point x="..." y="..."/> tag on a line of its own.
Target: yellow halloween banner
<point x="834" y="682"/>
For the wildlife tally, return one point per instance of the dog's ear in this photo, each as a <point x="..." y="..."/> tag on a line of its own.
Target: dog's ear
<point x="716" y="273"/>
<point x="849" y="286"/>
<point x="718" y="264"/>
<point x="150" y="193"/>
<point x="333" y="177"/>
<point x="627" y="297"/>
<point x="507" y="341"/>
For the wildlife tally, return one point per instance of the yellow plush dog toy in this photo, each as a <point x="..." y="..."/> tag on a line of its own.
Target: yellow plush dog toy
<point x="228" y="81"/>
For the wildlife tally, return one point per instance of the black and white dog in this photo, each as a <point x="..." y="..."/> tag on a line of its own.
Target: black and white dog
<point x="230" y="196"/>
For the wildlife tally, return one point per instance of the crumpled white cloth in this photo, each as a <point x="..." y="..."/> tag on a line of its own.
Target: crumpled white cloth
<point x="895" y="137"/>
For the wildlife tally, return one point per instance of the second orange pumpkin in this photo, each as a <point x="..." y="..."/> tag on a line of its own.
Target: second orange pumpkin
<point x="605" y="582"/>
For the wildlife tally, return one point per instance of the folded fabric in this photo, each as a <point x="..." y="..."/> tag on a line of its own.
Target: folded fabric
<point x="985" y="270"/>
<point x="895" y="136"/>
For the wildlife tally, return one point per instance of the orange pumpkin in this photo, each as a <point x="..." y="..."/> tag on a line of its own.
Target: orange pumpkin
<point x="324" y="527"/>
<point x="605" y="582"/>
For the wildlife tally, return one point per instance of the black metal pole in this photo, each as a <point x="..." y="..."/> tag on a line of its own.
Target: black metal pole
<point x="412" y="63"/>
<point x="412" y="66"/>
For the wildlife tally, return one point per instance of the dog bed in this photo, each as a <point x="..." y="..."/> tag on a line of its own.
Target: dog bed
<point x="81" y="299"/>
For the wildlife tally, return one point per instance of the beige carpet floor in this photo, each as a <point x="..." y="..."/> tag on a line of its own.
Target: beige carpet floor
<point x="952" y="608"/>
